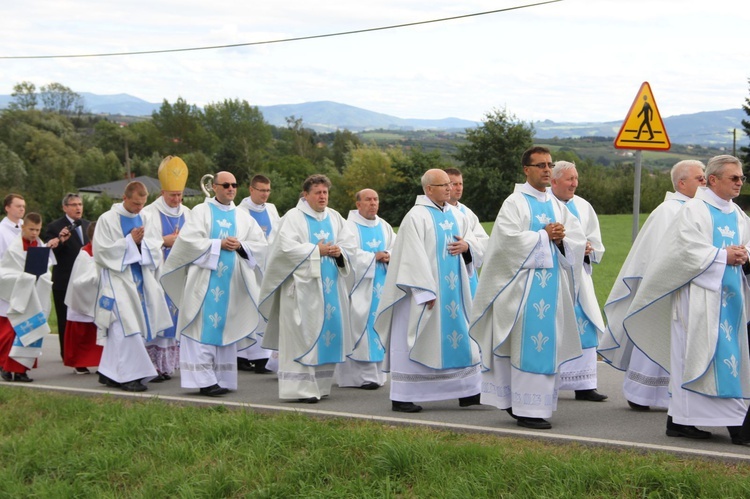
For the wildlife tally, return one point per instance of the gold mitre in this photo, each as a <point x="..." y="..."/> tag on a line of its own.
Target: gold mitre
<point x="173" y="174"/>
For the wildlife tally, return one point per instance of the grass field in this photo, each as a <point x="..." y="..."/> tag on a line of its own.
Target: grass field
<point x="55" y="445"/>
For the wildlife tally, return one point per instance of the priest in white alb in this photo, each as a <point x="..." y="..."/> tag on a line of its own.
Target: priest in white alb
<point x="213" y="275"/>
<point x="423" y="315"/>
<point x="363" y="368"/>
<point x="304" y="295"/>
<point x="695" y="288"/>
<point x="646" y="383"/>
<point x="524" y="315"/>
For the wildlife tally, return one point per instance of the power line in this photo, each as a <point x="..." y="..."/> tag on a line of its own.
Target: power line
<point x="282" y="40"/>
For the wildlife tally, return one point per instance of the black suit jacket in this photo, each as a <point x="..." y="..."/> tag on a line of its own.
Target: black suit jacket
<point x="65" y="253"/>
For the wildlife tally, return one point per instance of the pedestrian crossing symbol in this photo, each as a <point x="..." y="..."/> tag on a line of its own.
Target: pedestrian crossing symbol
<point x="643" y="127"/>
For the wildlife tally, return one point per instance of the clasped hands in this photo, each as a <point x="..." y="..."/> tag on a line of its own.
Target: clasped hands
<point x="555" y="231"/>
<point x="329" y="249"/>
<point x="736" y="255"/>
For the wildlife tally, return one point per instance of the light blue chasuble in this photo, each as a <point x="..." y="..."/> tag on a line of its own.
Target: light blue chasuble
<point x="372" y="240"/>
<point x="26" y="327"/>
<point x="127" y="224"/>
<point x="168" y="226"/>
<point x="727" y="359"/>
<point x="454" y="325"/>
<point x="330" y="342"/>
<point x="263" y="220"/>
<point x="474" y="278"/>
<point x="586" y="329"/>
<point x="216" y="304"/>
<point x="539" y="345"/>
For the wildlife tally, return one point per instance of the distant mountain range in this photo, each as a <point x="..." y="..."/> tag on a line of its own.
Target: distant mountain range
<point x="709" y="128"/>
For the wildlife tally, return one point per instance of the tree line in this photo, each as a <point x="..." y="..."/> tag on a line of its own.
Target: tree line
<point x="50" y="146"/>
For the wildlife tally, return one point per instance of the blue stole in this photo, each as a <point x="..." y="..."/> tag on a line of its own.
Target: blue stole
<point x="127" y="224"/>
<point x="330" y="342"/>
<point x="727" y="358"/>
<point x="168" y="226"/>
<point x="263" y="220"/>
<point x="454" y="325"/>
<point x="372" y="240"/>
<point x="216" y="303"/>
<point x="474" y="279"/>
<point x="586" y="330"/>
<point x="538" y="350"/>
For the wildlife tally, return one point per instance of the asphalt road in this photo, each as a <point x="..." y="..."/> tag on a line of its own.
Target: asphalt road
<point x="610" y="423"/>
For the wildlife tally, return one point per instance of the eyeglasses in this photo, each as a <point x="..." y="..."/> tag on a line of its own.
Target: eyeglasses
<point x="542" y="166"/>
<point x="227" y="185"/>
<point x="442" y="185"/>
<point x="700" y="178"/>
<point x="734" y="178"/>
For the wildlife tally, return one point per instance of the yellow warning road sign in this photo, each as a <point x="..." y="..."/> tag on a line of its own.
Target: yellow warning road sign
<point x="643" y="127"/>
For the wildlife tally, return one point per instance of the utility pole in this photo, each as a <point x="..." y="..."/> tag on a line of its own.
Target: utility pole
<point x="734" y="143"/>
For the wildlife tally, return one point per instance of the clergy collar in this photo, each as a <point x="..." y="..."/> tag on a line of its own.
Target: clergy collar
<point x="222" y="207"/>
<point x="163" y="207"/>
<point x="355" y="217"/>
<point x="249" y="204"/>
<point x="120" y="210"/>
<point x="711" y="198"/>
<point x="677" y="196"/>
<point x="306" y="209"/>
<point x="539" y="195"/>
<point x="423" y="200"/>
<point x="15" y="226"/>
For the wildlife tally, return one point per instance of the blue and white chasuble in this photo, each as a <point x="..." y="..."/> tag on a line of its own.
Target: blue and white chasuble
<point x="216" y="305"/>
<point x="538" y="346"/>
<point x="455" y="346"/>
<point x="727" y="358"/>
<point x="169" y="225"/>
<point x="373" y="240"/>
<point x="330" y="342"/>
<point x="127" y="224"/>
<point x="586" y="329"/>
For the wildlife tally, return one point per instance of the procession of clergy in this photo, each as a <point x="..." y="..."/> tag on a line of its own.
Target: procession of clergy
<point x="319" y="299"/>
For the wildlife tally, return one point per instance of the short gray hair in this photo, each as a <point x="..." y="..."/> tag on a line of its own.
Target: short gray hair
<point x="561" y="167"/>
<point x="717" y="164"/>
<point x="680" y="170"/>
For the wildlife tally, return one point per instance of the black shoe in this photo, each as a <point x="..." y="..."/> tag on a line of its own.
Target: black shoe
<point x="22" y="377"/>
<point x="510" y="413"/>
<point x="82" y="370"/>
<point x="134" y="386"/>
<point x="6" y="375"/>
<point x="159" y="379"/>
<point x="309" y="400"/>
<point x="370" y="385"/>
<point x="104" y="380"/>
<point x="681" y="430"/>
<point x="469" y="401"/>
<point x="405" y="406"/>
<point x="590" y="395"/>
<point x="638" y="407"/>
<point x="735" y="433"/>
<point x="213" y="391"/>
<point x="245" y="365"/>
<point x="533" y="423"/>
<point x="260" y="366"/>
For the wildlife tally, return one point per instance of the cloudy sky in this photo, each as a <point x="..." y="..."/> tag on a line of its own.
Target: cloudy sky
<point x="572" y="60"/>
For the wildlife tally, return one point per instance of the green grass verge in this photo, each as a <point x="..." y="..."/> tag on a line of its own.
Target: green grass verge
<point x="55" y="445"/>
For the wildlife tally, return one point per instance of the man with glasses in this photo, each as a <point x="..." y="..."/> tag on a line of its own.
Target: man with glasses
<point x="524" y="316"/>
<point x="304" y="296"/>
<point x="423" y="315"/>
<point x="695" y="288"/>
<point x="646" y="384"/>
<point x="71" y="229"/>
<point x="255" y="358"/>
<point x="213" y="276"/>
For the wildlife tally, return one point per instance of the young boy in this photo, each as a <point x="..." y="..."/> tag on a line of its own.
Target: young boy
<point x="24" y="303"/>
